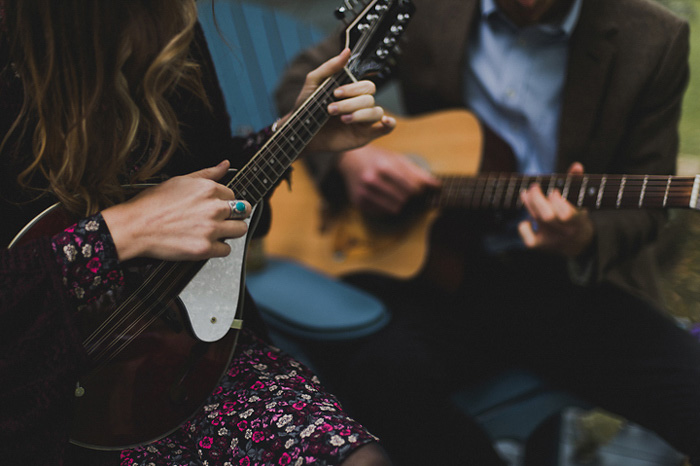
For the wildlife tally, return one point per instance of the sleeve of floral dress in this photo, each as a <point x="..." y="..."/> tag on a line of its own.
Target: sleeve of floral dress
<point x="88" y="260"/>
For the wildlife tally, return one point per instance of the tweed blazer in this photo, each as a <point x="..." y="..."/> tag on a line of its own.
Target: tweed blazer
<point x="626" y="77"/>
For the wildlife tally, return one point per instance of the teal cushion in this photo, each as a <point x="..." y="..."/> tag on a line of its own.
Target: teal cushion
<point x="299" y="301"/>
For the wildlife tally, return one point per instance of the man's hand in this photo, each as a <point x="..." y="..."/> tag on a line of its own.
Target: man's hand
<point x="555" y="224"/>
<point x="380" y="181"/>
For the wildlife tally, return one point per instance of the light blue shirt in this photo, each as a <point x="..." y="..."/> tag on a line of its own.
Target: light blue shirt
<point x="514" y="82"/>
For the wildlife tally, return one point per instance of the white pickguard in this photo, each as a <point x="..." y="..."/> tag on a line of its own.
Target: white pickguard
<point x="212" y="297"/>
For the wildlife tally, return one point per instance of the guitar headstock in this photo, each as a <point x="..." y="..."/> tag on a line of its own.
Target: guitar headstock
<point x="373" y="34"/>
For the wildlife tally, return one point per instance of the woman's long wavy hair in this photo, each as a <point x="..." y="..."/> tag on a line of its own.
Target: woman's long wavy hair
<point x="97" y="75"/>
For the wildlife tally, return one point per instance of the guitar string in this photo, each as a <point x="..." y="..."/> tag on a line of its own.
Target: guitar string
<point x="654" y="188"/>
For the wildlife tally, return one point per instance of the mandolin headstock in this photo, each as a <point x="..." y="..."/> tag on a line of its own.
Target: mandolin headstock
<point x="373" y="35"/>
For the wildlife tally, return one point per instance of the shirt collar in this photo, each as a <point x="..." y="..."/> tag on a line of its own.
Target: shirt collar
<point x="565" y="25"/>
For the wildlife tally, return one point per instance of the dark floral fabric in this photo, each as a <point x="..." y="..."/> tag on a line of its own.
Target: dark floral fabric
<point x="268" y="410"/>
<point x="88" y="260"/>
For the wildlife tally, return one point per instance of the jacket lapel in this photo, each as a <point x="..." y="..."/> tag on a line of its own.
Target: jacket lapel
<point x="590" y="56"/>
<point x="452" y="46"/>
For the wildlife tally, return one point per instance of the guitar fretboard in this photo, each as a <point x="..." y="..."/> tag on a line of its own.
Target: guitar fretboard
<point x="501" y="191"/>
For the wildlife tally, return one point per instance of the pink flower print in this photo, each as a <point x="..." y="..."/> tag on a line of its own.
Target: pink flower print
<point x="299" y="405"/>
<point x="242" y="425"/>
<point x="285" y="459"/>
<point x="228" y="407"/>
<point x="206" y="442"/>
<point x="257" y="385"/>
<point x="326" y="427"/>
<point x="258" y="436"/>
<point x="245" y="461"/>
<point x="94" y="264"/>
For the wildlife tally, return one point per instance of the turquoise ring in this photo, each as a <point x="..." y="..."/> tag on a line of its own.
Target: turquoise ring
<point x="238" y="210"/>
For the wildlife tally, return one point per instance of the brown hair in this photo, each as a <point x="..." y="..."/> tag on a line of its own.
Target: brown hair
<point x="96" y="77"/>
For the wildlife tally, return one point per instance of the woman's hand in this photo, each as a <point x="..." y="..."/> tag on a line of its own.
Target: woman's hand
<point x="184" y="218"/>
<point x="355" y="119"/>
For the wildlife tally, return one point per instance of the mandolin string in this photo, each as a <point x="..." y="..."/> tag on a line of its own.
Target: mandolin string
<point x="166" y="294"/>
<point x="118" y="312"/>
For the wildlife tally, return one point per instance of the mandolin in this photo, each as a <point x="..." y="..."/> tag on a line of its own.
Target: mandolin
<point x="158" y="349"/>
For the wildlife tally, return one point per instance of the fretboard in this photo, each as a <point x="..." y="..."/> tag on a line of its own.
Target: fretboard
<point x="501" y="191"/>
<point x="270" y="163"/>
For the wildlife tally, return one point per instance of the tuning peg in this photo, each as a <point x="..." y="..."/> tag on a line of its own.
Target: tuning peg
<point x="348" y="5"/>
<point x="382" y="53"/>
<point x="340" y="12"/>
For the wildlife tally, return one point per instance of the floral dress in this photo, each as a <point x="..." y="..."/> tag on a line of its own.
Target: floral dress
<point x="268" y="409"/>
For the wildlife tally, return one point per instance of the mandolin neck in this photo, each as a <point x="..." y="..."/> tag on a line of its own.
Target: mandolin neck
<point x="500" y="191"/>
<point x="271" y="162"/>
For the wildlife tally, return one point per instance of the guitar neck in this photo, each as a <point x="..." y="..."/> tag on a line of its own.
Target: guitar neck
<point x="272" y="161"/>
<point x="501" y="191"/>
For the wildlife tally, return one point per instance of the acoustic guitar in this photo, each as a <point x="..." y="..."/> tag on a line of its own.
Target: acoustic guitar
<point x="158" y="349"/>
<point x="450" y="144"/>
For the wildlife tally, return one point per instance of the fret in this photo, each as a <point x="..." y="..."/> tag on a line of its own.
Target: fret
<point x="475" y="193"/>
<point x="620" y="192"/>
<point x="598" y="200"/>
<point x="668" y="185"/>
<point x="448" y="192"/>
<point x="522" y="186"/>
<point x="486" y="196"/>
<point x="642" y="193"/>
<point x="552" y="184"/>
<point x="567" y="186"/>
<point x="498" y="195"/>
<point x="582" y="192"/>
<point x="508" y="198"/>
<point x="694" y="193"/>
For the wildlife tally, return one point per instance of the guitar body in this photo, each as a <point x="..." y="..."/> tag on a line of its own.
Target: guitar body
<point x="347" y="242"/>
<point x="476" y="195"/>
<point x="159" y="349"/>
